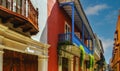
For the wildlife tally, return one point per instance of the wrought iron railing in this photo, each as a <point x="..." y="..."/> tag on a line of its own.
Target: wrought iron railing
<point x="67" y="37"/>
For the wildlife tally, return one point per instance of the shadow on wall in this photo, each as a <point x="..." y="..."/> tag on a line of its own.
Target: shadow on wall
<point x="43" y="37"/>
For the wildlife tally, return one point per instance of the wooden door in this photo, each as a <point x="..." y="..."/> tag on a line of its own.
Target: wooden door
<point x="16" y="61"/>
<point x="64" y="64"/>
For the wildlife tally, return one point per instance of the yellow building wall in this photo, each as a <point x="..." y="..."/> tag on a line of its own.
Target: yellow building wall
<point x="116" y="51"/>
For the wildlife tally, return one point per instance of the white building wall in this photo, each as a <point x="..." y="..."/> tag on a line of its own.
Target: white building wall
<point x="42" y="20"/>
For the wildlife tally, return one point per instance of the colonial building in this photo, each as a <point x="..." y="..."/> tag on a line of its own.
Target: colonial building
<point x="70" y="36"/>
<point x="115" y="61"/>
<point x="99" y="60"/>
<point x="18" y="52"/>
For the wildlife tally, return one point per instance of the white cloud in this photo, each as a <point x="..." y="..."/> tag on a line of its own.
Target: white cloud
<point x="94" y="10"/>
<point x="107" y="43"/>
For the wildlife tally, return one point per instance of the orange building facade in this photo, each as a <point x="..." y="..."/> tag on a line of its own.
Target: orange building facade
<point x="115" y="62"/>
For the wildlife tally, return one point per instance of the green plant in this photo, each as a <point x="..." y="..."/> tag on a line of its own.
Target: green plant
<point x="82" y="55"/>
<point x="91" y="60"/>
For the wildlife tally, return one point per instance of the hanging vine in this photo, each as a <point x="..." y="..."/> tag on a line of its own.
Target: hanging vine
<point x="82" y="55"/>
<point x="91" y="61"/>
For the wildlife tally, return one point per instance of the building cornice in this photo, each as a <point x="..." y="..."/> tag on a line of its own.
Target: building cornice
<point x="14" y="41"/>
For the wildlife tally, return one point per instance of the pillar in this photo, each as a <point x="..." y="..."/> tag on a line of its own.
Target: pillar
<point x="43" y="64"/>
<point x="60" y="63"/>
<point x="1" y="60"/>
<point x="71" y="62"/>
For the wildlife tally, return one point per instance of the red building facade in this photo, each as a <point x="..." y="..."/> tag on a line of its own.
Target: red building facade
<point x="56" y="21"/>
<point x="60" y="23"/>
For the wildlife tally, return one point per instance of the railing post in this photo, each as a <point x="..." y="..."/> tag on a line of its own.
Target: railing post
<point x="83" y="32"/>
<point x="72" y="6"/>
<point x="89" y="41"/>
<point x="93" y="45"/>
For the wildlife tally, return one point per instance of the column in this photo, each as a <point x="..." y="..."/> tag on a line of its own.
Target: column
<point x="1" y="60"/>
<point x="83" y="32"/>
<point x="73" y="24"/>
<point x="60" y="63"/>
<point x="77" y="64"/>
<point x="43" y="64"/>
<point x="71" y="64"/>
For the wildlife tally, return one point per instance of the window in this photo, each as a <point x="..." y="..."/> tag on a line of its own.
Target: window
<point x="67" y="31"/>
<point x="67" y="28"/>
<point x="116" y="35"/>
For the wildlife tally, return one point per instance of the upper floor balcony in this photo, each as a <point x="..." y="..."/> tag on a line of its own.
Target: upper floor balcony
<point x="21" y="14"/>
<point x="78" y="20"/>
<point x="67" y="39"/>
<point x="97" y="53"/>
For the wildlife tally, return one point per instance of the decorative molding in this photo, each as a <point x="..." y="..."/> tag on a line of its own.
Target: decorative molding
<point x="14" y="41"/>
<point x="1" y="52"/>
<point x="42" y="57"/>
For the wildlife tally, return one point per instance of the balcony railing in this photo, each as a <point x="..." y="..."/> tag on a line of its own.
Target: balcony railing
<point x="33" y="14"/>
<point x="78" y="42"/>
<point x="67" y="39"/>
<point x="97" y="52"/>
<point x="20" y="13"/>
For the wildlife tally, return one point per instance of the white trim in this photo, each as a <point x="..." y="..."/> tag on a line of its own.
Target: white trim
<point x="66" y="24"/>
<point x="1" y="52"/>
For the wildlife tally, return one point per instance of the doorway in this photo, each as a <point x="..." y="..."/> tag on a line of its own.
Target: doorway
<point x="64" y="64"/>
<point x="16" y="61"/>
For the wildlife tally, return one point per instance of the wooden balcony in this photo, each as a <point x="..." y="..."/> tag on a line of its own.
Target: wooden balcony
<point x="21" y="14"/>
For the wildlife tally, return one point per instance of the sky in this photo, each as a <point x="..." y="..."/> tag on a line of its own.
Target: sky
<point x="102" y="16"/>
